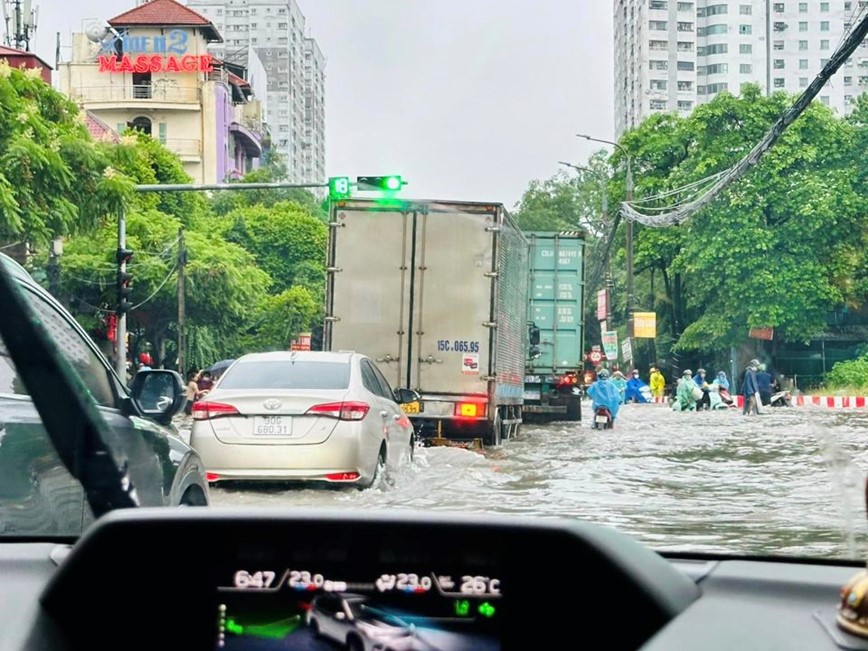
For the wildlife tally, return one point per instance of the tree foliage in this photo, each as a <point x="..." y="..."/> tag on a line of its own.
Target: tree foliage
<point x="54" y="180"/>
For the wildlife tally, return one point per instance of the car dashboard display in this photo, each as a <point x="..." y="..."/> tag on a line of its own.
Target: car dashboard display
<point x="262" y="579"/>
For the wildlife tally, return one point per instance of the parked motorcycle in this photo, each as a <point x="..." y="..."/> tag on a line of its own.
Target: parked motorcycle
<point x="781" y="399"/>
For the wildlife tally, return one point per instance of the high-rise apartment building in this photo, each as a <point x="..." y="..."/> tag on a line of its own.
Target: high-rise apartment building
<point x="671" y="55"/>
<point x="275" y="30"/>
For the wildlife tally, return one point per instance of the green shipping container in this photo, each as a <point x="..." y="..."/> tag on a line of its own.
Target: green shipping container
<point x="556" y="291"/>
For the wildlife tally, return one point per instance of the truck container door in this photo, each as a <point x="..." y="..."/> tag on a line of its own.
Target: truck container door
<point x="368" y="302"/>
<point x="452" y="301"/>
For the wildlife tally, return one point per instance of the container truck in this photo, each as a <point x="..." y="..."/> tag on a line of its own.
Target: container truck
<point x="555" y="307"/>
<point x="436" y="293"/>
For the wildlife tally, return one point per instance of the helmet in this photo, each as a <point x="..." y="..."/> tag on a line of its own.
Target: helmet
<point x="687" y="371"/>
<point x="754" y="363"/>
<point x="603" y="373"/>
<point x="700" y="370"/>
<point x="145" y="358"/>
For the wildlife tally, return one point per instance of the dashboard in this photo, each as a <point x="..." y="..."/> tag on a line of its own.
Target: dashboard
<point x="215" y="578"/>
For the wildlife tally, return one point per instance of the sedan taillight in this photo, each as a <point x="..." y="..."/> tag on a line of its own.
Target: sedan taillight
<point x="341" y="410"/>
<point x="205" y="410"/>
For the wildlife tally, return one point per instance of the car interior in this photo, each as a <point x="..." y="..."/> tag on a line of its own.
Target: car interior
<point x="212" y="578"/>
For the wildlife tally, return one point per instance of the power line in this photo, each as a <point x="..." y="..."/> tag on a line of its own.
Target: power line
<point x="683" y="212"/>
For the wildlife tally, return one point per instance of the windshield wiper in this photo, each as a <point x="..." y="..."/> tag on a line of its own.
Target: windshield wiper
<point x="70" y="417"/>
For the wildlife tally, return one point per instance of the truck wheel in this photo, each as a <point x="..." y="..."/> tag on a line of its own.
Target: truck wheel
<point x="574" y="408"/>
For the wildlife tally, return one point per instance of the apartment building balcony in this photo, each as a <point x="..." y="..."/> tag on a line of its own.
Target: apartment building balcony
<point x="151" y="96"/>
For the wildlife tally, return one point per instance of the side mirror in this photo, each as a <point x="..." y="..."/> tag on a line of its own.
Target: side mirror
<point x="403" y="396"/>
<point x="534" y="335"/>
<point x="159" y="394"/>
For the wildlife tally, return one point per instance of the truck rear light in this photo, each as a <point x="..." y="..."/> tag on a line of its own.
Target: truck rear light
<point x="205" y="410"/>
<point x="341" y="410"/>
<point x="469" y="409"/>
<point x="211" y="476"/>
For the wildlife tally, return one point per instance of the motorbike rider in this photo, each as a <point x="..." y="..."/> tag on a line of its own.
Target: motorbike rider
<point x="605" y="394"/>
<point x="685" y="398"/>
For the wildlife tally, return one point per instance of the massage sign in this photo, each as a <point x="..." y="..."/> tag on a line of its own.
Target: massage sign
<point x="151" y="54"/>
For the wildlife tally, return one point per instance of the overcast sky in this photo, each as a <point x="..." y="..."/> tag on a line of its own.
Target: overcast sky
<point x="468" y="99"/>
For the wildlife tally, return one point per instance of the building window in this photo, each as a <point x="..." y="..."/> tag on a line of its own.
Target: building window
<point x="711" y="89"/>
<point x="824" y="7"/>
<point x="824" y="26"/>
<point x="658" y="4"/>
<point x="715" y="10"/>
<point x="658" y="84"/>
<point x="803" y="7"/>
<point x="803" y="82"/>
<point x="779" y="64"/>
<point x="803" y="64"/>
<point x="686" y="66"/>
<point x="685" y="105"/>
<point x="744" y="29"/>
<point x="658" y="104"/>
<point x="659" y="25"/>
<point x="745" y="48"/>
<point x="685" y="6"/>
<point x="685" y="85"/>
<point x="685" y="46"/>
<point x="803" y="26"/>
<point x="745" y="68"/>
<point x="658" y="65"/>
<point x="142" y="124"/>
<point x="658" y="45"/>
<point x="848" y="81"/>
<point x="778" y="45"/>
<point x="685" y="27"/>
<point x="803" y="45"/>
<point x="824" y="44"/>
<point x="779" y="82"/>
<point x="848" y="99"/>
<point x="779" y="7"/>
<point x="142" y="86"/>
<point x="745" y="10"/>
<point x="825" y="100"/>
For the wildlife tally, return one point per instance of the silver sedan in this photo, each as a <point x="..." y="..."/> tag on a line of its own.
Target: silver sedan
<point x="302" y="415"/>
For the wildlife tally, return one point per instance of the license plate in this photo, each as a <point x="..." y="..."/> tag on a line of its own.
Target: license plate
<point x="412" y="407"/>
<point x="531" y="395"/>
<point x="532" y="379"/>
<point x="602" y="419"/>
<point x="272" y="426"/>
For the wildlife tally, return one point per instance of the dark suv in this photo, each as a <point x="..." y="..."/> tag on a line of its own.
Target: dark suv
<point x="38" y="495"/>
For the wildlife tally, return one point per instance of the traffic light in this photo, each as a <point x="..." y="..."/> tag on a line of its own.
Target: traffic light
<point x="388" y="183"/>
<point x="339" y="187"/>
<point x="123" y="256"/>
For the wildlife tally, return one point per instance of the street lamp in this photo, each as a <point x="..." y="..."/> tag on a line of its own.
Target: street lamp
<point x="629" y="222"/>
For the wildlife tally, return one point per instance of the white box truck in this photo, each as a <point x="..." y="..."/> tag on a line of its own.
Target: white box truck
<point x="436" y="293"/>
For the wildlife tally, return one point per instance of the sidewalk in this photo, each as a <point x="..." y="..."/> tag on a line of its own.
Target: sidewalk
<point x="839" y="402"/>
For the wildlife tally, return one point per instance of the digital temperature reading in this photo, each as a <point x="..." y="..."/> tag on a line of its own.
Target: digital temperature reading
<point x="404" y="582"/>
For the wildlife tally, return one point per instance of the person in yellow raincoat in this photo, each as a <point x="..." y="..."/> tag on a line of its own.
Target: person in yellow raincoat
<point x="657" y="383"/>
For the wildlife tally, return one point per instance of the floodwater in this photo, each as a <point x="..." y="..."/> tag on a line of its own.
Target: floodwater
<point x="790" y="481"/>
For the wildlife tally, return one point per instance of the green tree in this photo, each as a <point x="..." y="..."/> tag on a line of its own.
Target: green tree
<point x="54" y="180"/>
<point x="286" y="240"/>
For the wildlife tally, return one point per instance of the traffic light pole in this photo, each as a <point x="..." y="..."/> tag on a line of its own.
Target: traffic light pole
<point x="192" y="187"/>
<point x="121" y="331"/>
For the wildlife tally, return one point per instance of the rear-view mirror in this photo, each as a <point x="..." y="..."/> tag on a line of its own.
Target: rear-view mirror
<point x="403" y="396"/>
<point x="159" y="394"/>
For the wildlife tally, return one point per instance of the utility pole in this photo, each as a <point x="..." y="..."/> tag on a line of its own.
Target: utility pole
<point x="768" y="48"/>
<point x="629" y="199"/>
<point x="121" y="359"/>
<point x="182" y="305"/>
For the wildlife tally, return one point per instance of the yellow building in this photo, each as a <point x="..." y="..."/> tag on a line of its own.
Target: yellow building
<point x="149" y="69"/>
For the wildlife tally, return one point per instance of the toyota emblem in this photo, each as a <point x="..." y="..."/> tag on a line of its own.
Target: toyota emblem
<point x="272" y="403"/>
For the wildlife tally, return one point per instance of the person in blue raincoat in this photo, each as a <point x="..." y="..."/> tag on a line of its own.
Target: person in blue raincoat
<point x="605" y="394"/>
<point x="637" y="389"/>
<point x="620" y="383"/>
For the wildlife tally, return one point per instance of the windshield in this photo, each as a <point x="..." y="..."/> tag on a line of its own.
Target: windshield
<point x="287" y="374"/>
<point x="616" y="253"/>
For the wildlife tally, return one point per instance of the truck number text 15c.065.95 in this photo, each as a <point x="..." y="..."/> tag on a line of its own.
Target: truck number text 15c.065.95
<point x="458" y="346"/>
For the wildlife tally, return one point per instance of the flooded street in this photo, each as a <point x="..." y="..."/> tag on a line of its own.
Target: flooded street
<point x="790" y="481"/>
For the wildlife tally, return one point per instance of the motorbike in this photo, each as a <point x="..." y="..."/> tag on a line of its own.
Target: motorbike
<point x="781" y="399"/>
<point x="602" y="418"/>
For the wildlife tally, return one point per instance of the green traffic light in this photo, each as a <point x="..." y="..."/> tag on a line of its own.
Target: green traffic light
<point x="393" y="182"/>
